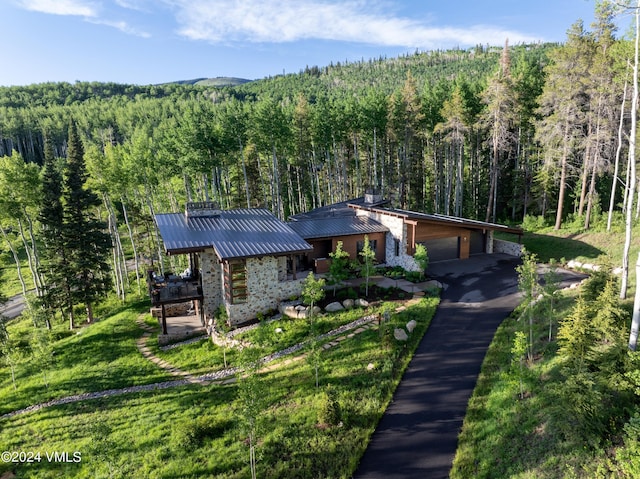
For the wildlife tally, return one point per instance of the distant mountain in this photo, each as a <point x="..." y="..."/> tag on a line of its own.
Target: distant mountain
<point x="217" y="81"/>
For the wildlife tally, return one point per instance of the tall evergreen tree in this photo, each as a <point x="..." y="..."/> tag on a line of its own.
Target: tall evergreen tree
<point x="84" y="234"/>
<point x="500" y="98"/>
<point x="54" y="256"/>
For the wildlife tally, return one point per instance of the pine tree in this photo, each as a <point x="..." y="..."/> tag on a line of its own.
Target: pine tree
<point x="55" y="256"/>
<point x="84" y="234"/>
<point x="75" y="242"/>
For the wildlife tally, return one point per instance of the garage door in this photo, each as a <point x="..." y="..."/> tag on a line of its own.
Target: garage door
<point x="441" y="249"/>
<point x="477" y="242"/>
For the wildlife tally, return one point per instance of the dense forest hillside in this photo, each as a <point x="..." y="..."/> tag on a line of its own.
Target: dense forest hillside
<point x="496" y="134"/>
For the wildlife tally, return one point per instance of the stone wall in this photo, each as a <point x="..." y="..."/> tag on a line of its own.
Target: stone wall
<point x="489" y="244"/>
<point x="265" y="290"/>
<point x="211" y="282"/>
<point x="397" y="231"/>
<point x="507" y="247"/>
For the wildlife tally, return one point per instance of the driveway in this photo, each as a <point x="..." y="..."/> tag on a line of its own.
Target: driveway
<point x="418" y="434"/>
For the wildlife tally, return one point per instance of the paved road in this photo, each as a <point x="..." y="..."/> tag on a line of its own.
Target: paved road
<point x="13" y="307"/>
<point x="418" y="434"/>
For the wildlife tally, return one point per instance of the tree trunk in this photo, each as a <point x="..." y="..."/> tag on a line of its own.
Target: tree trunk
<point x="632" y="163"/>
<point x="617" y="161"/>
<point x="16" y="259"/>
<point x="133" y="243"/>
<point x="563" y="179"/>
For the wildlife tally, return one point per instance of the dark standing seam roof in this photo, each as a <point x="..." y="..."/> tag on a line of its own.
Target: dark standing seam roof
<point x="338" y="226"/>
<point x="241" y="233"/>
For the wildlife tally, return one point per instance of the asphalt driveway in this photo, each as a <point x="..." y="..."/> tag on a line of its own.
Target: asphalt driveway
<point x="418" y="434"/>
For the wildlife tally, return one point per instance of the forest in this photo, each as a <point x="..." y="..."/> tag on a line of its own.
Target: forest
<point x="497" y="134"/>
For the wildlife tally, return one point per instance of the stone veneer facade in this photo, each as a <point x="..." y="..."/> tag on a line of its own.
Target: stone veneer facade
<point x="267" y="285"/>
<point x="397" y="231"/>
<point x="507" y="247"/>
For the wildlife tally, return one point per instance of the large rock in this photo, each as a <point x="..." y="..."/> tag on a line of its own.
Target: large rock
<point x="411" y="325"/>
<point x="362" y="303"/>
<point x="400" y="334"/>
<point x="333" y="307"/>
<point x="433" y="284"/>
<point x="290" y="311"/>
<point x="348" y="303"/>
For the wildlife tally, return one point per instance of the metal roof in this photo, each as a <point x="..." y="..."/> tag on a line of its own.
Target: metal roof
<point x="338" y="226"/>
<point x="241" y="233"/>
<point x="335" y="210"/>
<point x="442" y="219"/>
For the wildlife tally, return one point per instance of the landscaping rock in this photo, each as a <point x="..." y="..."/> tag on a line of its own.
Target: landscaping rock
<point x="370" y="367"/>
<point x="432" y="284"/>
<point x="333" y="307"/>
<point x="400" y="334"/>
<point x="362" y="303"/>
<point x="290" y="311"/>
<point x="300" y="307"/>
<point x="411" y="325"/>
<point x="277" y="330"/>
<point x="348" y="303"/>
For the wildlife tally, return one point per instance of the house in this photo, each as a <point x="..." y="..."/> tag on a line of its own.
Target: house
<point x="246" y="261"/>
<point x="246" y="258"/>
<point x="394" y="233"/>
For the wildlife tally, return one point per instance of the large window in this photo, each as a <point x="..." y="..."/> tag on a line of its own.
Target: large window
<point x="235" y="282"/>
<point x="360" y="246"/>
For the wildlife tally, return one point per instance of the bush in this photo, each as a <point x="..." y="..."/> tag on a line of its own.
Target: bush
<point x="330" y="412"/>
<point x="533" y="223"/>
<point x="191" y="434"/>
<point x="413" y="276"/>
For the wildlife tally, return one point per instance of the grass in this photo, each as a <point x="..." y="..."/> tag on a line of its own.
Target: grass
<point x="102" y="356"/>
<point x="157" y="434"/>
<point x="554" y="431"/>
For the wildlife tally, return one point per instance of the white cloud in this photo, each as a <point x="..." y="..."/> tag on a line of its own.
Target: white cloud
<point x="228" y="21"/>
<point x="61" y="7"/>
<point x="122" y="26"/>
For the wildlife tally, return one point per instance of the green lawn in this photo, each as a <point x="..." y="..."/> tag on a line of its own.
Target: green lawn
<point x="158" y="434"/>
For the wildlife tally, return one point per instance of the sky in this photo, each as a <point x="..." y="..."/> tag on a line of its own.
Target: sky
<point x="156" y="41"/>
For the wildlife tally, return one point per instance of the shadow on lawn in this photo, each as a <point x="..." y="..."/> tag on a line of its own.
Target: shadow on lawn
<point x="546" y="247"/>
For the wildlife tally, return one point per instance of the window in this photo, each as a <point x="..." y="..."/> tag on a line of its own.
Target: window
<point x="235" y="282"/>
<point x="360" y="246"/>
<point x="397" y="247"/>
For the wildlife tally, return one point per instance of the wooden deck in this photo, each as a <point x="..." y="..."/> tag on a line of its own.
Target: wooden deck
<point x="172" y="289"/>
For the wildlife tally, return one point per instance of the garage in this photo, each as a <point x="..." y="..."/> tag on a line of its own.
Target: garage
<point x="442" y="249"/>
<point x="478" y="241"/>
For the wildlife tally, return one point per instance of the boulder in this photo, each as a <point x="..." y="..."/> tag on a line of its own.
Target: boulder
<point x="362" y="303"/>
<point x="371" y="367"/>
<point x="348" y="303"/>
<point x="411" y="325"/>
<point x="317" y="310"/>
<point x="290" y="311"/>
<point x="300" y="307"/>
<point x="432" y="284"/>
<point x="400" y="334"/>
<point x="277" y="330"/>
<point x="333" y="307"/>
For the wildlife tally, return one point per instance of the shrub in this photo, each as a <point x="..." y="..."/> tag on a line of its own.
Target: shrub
<point x="330" y="411"/>
<point x="191" y="434"/>
<point x="533" y="223"/>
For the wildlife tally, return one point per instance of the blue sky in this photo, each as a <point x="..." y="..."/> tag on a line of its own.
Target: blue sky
<point x="155" y="41"/>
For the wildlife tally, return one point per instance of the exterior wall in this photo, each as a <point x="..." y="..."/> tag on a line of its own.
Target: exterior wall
<point x="350" y="245"/>
<point x="490" y="241"/>
<point x="211" y="270"/>
<point x="507" y="247"/>
<point x="397" y="231"/>
<point x="265" y="290"/>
